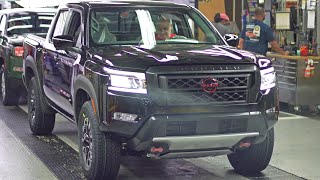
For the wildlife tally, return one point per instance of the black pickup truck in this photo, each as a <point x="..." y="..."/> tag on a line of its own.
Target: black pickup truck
<point x="131" y="93"/>
<point x="15" y="24"/>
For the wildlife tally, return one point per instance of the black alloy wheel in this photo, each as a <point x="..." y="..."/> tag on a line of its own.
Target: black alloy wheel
<point x="99" y="152"/>
<point x="86" y="142"/>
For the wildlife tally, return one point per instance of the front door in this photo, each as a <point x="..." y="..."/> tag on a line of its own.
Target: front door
<point x="59" y="63"/>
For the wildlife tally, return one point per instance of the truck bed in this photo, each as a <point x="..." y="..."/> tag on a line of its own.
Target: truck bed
<point x="34" y="40"/>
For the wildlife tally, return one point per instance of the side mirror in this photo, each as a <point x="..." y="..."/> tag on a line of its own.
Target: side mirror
<point x="231" y="39"/>
<point x="63" y="42"/>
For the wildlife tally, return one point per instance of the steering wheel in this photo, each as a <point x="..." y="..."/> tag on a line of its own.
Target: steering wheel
<point x="178" y="37"/>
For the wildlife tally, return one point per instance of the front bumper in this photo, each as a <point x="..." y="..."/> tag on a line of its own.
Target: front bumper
<point x="198" y="146"/>
<point x="202" y="142"/>
<point x="190" y="128"/>
<point x="209" y="131"/>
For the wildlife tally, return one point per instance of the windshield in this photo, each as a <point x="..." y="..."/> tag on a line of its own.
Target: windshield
<point x="29" y="22"/>
<point x="149" y="26"/>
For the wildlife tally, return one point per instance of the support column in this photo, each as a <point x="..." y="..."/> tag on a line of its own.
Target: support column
<point x="318" y="26"/>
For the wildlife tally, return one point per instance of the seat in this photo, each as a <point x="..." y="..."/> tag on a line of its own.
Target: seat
<point x="103" y="35"/>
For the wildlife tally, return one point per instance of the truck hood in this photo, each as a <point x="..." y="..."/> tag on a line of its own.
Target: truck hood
<point x="137" y="57"/>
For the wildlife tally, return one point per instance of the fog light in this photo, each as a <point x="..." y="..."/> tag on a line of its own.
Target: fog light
<point x="271" y="111"/>
<point x="125" y="117"/>
<point x="297" y="108"/>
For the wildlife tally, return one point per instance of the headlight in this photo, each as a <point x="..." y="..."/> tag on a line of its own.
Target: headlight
<point x="268" y="79"/>
<point x="126" y="81"/>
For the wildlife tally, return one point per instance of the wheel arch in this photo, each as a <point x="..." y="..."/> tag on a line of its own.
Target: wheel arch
<point x="84" y="91"/>
<point x="29" y="71"/>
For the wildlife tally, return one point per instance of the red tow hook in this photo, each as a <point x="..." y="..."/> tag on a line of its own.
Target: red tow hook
<point x="156" y="149"/>
<point x="244" y="144"/>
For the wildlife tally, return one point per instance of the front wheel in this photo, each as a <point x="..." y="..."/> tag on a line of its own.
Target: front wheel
<point x="99" y="153"/>
<point x="256" y="158"/>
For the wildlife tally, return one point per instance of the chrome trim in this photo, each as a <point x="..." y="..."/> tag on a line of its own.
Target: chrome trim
<point x="195" y="154"/>
<point x="199" y="142"/>
<point x="235" y="114"/>
<point x="255" y="113"/>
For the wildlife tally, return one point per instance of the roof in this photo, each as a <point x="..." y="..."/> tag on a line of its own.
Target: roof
<point x="17" y="10"/>
<point x="55" y="3"/>
<point x="103" y="3"/>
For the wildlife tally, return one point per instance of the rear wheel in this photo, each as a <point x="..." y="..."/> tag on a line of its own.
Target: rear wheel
<point x="99" y="153"/>
<point x="9" y="95"/>
<point x="41" y="123"/>
<point x="256" y="158"/>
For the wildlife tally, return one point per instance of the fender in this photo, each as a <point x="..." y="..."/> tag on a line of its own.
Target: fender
<point x="30" y="62"/>
<point x="81" y="82"/>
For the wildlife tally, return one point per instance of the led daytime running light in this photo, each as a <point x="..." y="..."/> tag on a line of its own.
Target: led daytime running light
<point x="268" y="79"/>
<point x="126" y="81"/>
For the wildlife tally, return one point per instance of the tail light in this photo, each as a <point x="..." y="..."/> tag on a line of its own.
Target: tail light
<point x="18" y="51"/>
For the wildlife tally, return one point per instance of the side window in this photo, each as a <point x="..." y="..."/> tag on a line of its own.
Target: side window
<point x="60" y="24"/>
<point x="2" y="24"/>
<point x="181" y="26"/>
<point x="68" y="23"/>
<point x="73" y="27"/>
<point x="199" y="31"/>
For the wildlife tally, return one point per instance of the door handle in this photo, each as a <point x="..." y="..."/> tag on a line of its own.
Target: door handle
<point x="56" y="58"/>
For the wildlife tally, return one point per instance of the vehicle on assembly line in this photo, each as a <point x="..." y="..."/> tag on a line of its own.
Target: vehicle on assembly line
<point x="15" y="24"/>
<point x="190" y="95"/>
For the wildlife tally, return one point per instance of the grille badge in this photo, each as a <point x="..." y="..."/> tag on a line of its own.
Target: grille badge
<point x="209" y="85"/>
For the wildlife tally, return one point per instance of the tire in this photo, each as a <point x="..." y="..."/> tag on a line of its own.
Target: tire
<point x="255" y="159"/>
<point x="99" y="153"/>
<point x="9" y="95"/>
<point x="41" y="123"/>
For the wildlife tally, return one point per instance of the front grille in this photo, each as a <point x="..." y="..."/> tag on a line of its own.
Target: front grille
<point x="204" y="97"/>
<point x="179" y="89"/>
<point x="195" y="83"/>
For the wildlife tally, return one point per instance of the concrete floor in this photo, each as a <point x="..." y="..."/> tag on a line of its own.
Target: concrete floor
<point x="295" y="156"/>
<point x="297" y="146"/>
<point x="17" y="162"/>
